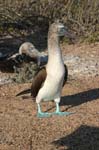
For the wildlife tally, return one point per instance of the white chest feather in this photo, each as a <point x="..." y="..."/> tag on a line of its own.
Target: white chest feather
<point x="53" y="83"/>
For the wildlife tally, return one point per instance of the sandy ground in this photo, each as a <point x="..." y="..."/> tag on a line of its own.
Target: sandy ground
<point x="20" y="129"/>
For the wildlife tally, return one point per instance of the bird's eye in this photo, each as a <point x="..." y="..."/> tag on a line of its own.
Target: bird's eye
<point x="62" y="30"/>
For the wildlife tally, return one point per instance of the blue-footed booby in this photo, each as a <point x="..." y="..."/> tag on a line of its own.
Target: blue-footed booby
<point x="47" y="84"/>
<point x="27" y="53"/>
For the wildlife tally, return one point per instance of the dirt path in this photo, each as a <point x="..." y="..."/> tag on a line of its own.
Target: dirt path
<point x="20" y="129"/>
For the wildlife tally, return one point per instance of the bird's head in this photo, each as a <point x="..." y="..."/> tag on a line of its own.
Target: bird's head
<point x="59" y="29"/>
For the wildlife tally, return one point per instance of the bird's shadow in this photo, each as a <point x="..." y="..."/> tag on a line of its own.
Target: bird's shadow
<point x="80" y="98"/>
<point x="85" y="137"/>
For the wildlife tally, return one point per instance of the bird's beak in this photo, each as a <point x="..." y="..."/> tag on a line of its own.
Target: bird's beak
<point x="69" y="35"/>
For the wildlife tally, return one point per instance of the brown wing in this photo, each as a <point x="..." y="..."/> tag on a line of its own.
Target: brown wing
<point x="7" y="65"/>
<point x="38" y="81"/>
<point x="66" y="75"/>
<point x="17" y="60"/>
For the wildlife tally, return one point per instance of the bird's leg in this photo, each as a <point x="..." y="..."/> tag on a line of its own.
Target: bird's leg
<point x="58" y="111"/>
<point x="42" y="114"/>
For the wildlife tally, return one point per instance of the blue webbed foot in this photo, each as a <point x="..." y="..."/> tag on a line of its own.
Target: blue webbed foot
<point x="62" y="113"/>
<point x="43" y="115"/>
<point x="58" y="112"/>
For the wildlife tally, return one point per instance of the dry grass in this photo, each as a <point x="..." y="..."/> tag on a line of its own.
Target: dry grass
<point x="81" y="16"/>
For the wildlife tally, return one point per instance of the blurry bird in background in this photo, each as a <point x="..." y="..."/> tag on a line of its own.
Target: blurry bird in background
<point x="27" y="53"/>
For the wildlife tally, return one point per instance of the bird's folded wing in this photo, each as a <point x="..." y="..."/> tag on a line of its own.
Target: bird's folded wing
<point x="38" y="81"/>
<point x="65" y="75"/>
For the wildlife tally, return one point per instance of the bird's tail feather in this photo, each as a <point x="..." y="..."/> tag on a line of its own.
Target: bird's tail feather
<point x="24" y="92"/>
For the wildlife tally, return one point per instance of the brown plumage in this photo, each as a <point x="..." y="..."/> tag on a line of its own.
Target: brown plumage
<point x="39" y="80"/>
<point x="7" y="65"/>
